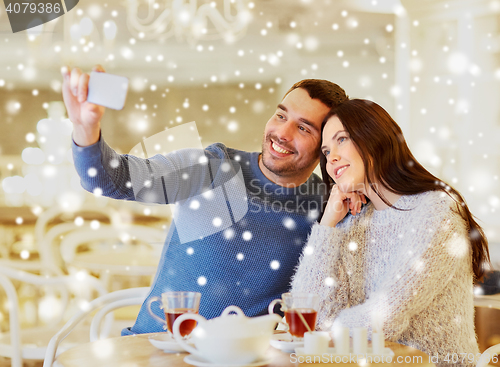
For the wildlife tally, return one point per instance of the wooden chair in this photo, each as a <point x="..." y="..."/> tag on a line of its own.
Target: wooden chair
<point x="105" y="304"/>
<point x="30" y="344"/>
<point x="131" y="250"/>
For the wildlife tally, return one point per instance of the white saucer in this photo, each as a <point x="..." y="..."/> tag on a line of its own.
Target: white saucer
<point x="200" y="362"/>
<point x="284" y="343"/>
<point x="166" y="343"/>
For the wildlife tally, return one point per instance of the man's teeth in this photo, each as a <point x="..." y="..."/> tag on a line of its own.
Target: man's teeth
<point x="279" y="150"/>
<point x="341" y="170"/>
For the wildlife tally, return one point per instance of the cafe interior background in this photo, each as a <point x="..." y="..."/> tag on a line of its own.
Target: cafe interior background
<point x="225" y="64"/>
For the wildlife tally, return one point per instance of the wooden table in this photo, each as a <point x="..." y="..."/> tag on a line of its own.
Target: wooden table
<point x="134" y="351"/>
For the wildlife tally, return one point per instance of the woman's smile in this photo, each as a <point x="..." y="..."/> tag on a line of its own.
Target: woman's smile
<point x="339" y="171"/>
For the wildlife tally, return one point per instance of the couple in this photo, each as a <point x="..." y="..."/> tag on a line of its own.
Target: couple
<point x="405" y="261"/>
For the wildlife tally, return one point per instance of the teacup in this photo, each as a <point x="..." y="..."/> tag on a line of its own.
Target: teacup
<point x="228" y="339"/>
<point x="175" y="304"/>
<point x="300" y="312"/>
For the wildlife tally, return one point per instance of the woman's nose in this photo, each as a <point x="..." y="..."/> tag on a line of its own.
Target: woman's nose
<point x="333" y="157"/>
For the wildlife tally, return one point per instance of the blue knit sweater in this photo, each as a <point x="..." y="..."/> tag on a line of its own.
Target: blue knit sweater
<point x="248" y="262"/>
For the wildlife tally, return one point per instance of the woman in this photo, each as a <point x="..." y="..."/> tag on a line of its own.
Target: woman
<point x="405" y="262"/>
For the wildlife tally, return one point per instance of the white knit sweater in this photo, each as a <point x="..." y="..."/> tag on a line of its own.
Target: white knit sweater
<point x="412" y="269"/>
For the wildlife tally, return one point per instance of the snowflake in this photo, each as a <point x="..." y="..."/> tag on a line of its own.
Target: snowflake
<point x="92" y="172"/>
<point x="194" y="205"/>
<point x="458" y="246"/>
<point x="328" y="324"/>
<point x="289" y="223"/>
<point x="113" y="163"/>
<point x="275" y="264"/>
<point x="229" y="234"/>
<point x="30" y="137"/>
<point x="202" y="281"/>
<point x="419" y="265"/>
<point x="308" y="250"/>
<point x="329" y="282"/>
<point x="232" y="126"/>
<point x="208" y="194"/>
<point x="247" y="235"/>
<point x="25" y="254"/>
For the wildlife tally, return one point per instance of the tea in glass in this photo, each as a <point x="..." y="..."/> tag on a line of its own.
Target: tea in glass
<point x="295" y="323"/>
<point x="175" y="304"/>
<point x="186" y="326"/>
<point x="301" y="310"/>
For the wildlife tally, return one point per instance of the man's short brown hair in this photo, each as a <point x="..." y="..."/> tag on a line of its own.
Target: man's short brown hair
<point x="330" y="94"/>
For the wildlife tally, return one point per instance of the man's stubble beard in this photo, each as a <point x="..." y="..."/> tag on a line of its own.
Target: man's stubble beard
<point x="289" y="169"/>
<point x="284" y="170"/>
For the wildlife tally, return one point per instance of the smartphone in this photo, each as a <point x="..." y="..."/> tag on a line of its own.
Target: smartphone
<point x="107" y="90"/>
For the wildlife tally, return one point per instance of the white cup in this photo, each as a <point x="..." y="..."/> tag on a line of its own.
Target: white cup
<point x="360" y="340"/>
<point x="341" y="340"/>
<point x="378" y="343"/>
<point x="316" y="342"/>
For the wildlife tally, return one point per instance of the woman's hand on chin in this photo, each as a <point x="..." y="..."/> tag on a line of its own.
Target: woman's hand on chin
<point x="339" y="204"/>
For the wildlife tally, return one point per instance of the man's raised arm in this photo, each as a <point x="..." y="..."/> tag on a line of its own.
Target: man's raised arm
<point x="162" y="179"/>
<point x="85" y="116"/>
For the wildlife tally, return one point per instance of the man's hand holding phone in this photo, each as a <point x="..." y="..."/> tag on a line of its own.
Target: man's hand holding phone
<point x="86" y="97"/>
<point x="85" y="116"/>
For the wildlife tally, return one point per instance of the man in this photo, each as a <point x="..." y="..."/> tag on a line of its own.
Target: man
<point x="250" y="260"/>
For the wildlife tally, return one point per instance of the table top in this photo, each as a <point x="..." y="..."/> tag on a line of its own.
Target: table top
<point x="136" y="350"/>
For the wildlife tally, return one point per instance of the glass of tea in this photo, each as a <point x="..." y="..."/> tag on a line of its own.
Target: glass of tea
<point x="175" y="304"/>
<point x="301" y="310"/>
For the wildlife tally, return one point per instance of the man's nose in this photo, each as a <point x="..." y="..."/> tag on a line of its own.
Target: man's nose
<point x="285" y="131"/>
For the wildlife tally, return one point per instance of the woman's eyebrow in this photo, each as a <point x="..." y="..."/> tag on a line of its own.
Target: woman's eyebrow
<point x="333" y="137"/>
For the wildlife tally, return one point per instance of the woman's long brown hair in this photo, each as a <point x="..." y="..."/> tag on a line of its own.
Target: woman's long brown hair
<point x="388" y="161"/>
